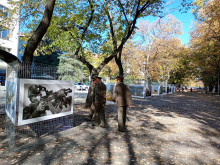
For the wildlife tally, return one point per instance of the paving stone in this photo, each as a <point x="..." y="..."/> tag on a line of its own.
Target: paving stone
<point x="173" y="129"/>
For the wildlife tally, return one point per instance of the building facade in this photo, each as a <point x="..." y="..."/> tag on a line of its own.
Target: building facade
<point x="9" y="36"/>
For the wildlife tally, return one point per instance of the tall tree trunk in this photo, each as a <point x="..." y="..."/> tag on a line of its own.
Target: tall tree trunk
<point x="149" y="82"/>
<point x="89" y="97"/>
<point x="118" y="49"/>
<point x="32" y="44"/>
<point x="118" y="62"/>
<point x="166" y="83"/>
<point x="94" y="71"/>
<point x="35" y="39"/>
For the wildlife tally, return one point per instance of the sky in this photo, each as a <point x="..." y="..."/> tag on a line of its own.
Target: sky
<point x="187" y="20"/>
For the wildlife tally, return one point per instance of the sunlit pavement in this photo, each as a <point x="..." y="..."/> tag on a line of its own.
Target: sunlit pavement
<point x="173" y="129"/>
<point x="80" y="96"/>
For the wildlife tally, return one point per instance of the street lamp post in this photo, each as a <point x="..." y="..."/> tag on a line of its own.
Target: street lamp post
<point x="144" y="80"/>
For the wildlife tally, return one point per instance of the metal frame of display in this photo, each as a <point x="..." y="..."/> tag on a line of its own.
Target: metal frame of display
<point x="39" y="73"/>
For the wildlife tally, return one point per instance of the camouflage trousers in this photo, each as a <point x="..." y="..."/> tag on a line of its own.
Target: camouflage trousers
<point x="98" y="111"/>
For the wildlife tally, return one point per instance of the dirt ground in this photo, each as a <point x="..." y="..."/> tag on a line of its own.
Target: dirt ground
<point x="183" y="128"/>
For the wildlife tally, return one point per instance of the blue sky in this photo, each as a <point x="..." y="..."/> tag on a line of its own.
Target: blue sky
<point x="186" y="19"/>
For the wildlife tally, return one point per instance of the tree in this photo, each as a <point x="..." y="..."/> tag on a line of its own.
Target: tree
<point x="197" y="5"/>
<point x="129" y="64"/>
<point x="160" y="48"/>
<point x="82" y="24"/>
<point x="184" y="70"/>
<point x="205" y="43"/>
<point x="34" y="40"/>
<point x="69" y="69"/>
<point x="122" y="18"/>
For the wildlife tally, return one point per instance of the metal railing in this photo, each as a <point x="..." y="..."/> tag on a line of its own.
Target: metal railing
<point x="37" y="71"/>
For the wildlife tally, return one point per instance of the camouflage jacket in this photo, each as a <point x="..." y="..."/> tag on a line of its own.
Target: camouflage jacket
<point x="99" y="94"/>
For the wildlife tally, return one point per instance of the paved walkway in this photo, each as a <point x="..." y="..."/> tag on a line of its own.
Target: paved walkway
<point x="173" y="129"/>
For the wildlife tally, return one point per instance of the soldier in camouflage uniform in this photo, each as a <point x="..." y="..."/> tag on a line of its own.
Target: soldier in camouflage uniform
<point x="41" y="100"/>
<point x="99" y="101"/>
<point x="36" y="108"/>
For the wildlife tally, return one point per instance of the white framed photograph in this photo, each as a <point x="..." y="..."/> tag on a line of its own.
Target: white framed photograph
<point x="137" y="91"/>
<point x="155" y="90"/>
<point x="110" y="88"/>
<point x="11" y="98"/>
<point x="44" y="99"/>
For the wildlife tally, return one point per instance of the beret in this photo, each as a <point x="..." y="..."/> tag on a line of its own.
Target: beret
<point x="119" y="78"/>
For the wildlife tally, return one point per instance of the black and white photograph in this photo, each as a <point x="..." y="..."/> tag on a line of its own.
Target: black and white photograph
<point x="137" y="90"/>
<point x="155" y="90"/>
<point x="11" y="92"/>
<point x="162" y="90"/>
<point x="44" y="99"/>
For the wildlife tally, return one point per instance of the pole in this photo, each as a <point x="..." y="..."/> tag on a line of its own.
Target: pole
<point x="144" y="85"/>
<point x="144" y="80"/>
<point x="82" y="74"/>
<point x="218" y="82"/>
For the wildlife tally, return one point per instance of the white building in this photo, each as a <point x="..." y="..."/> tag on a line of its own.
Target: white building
<point x="8" y="36"/>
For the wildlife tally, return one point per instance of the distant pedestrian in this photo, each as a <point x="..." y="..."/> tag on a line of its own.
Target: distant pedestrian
<point x="99" y="101"/>
<point x="122" y="96"/>
<point x="191" y="89"/>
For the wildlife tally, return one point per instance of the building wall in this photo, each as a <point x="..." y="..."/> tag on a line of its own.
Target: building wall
<point x="9" y="43"/>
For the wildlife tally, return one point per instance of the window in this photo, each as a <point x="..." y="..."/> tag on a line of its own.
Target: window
<point x="4" y="34"/>
<point x="4" y="13"/>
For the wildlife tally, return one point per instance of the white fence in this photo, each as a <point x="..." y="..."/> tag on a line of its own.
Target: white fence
<point x="139" y="91"/>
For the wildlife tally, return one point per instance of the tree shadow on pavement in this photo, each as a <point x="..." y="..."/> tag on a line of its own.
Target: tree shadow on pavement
<point x="188" y="122"/>
<point x="52" y="126"/>
<point x="160" y="130"/>
<point x="206" y="111"/>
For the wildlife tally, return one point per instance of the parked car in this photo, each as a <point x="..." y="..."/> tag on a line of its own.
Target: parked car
<point x="81" y="86"/>
<point x="42" y="76"/>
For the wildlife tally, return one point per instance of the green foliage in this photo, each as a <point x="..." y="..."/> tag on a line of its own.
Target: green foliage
<point x="184" y="70"/>
<point x="69" y="69"/>
<point x="69" y="30"/>
<point x="31" y="13"/>
<point x="51" y="59"/>
<point x="68" y="23"/>
<point x="130" y="79"/>
<point x="197" y="5"/>
<point x="205" y="42"/>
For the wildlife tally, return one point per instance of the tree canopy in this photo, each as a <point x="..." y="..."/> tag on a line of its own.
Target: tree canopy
<point x="37" y="34"/>
<point x="87" y="28"/>
<point x="205" y="43"/>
